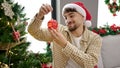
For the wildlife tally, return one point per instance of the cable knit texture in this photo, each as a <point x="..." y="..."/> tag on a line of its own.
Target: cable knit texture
<point x="86" y="56"/>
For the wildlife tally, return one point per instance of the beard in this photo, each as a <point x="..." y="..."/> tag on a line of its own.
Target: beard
<point x="73" y="28"/>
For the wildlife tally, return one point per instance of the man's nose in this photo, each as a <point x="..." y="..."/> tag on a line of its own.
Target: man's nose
<point x="68" y="20"/>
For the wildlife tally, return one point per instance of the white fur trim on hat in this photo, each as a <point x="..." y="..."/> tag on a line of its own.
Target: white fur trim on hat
<point x="88" y="23"/>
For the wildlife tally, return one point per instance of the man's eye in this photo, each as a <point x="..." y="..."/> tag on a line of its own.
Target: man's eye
<point x="71" y="16"/>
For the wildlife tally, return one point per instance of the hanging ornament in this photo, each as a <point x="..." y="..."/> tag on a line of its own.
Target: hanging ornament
<point x="3" y="65"/>
<point x="113" y="7"/>
<point x="52" y="24"/>
<point x="7" y="9"/>
<point x="16" y="34"/>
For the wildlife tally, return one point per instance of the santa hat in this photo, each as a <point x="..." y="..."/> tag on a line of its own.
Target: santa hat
<point x="79" y="6"/>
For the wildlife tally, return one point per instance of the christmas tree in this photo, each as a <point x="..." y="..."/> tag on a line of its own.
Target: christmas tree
<point x="13" y="44"/>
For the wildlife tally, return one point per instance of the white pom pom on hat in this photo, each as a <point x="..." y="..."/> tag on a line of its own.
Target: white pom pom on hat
<point x="79" y="6"/>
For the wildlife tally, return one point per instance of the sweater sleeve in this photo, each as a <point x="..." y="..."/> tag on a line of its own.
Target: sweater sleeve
<point x="37" y="32"/>
<point x="87" y="59"/>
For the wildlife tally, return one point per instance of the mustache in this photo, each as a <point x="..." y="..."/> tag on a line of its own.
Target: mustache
<point x="68" y="22"/>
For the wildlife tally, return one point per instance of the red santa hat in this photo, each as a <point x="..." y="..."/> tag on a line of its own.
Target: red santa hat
<point x="79" y="6"/>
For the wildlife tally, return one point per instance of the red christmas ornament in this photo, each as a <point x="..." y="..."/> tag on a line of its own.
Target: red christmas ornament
<point x="52" y="24"/>
<point x="44" y="66"/>
<point x="16" y="35"/>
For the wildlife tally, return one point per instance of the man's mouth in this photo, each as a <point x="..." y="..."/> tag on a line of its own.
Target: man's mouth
<point x="70" y="24"/>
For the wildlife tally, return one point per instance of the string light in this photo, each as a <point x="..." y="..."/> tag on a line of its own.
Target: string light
<point x="8" y="23"/>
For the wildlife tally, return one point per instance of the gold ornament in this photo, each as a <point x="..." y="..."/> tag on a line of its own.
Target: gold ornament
<point x="3" y="65"/>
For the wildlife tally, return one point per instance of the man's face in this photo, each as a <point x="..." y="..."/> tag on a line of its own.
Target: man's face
<point x="73" y="20"/>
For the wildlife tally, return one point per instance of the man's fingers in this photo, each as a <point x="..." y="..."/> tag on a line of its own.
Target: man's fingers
<point x="53" y="33"/>
<point x="49" y="8"/>
<point x="43" y="11"/>
<point x="46" y="8"/>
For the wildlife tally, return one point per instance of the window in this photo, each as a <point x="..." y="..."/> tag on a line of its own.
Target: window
<point x="31" y="8"/>
<point x="104" y="15"/>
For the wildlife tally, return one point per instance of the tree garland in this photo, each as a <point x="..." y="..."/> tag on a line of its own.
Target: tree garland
<point x="113" y="7"/>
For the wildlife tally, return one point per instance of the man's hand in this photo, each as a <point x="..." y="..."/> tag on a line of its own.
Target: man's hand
<point x="44" y="9"/>
<point x="58" y="37"/>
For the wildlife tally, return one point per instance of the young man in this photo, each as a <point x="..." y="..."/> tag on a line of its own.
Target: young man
<point x="74" y="46"/>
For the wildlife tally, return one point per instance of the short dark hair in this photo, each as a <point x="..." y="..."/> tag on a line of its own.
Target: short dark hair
<point x="70" y="10"/>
